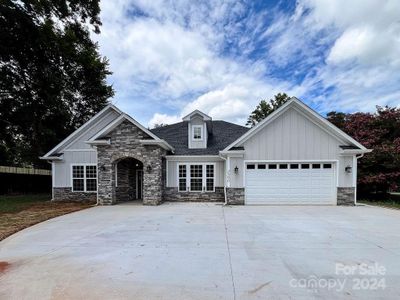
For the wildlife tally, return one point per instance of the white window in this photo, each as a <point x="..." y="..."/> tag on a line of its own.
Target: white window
<point x="196" y="177"/>
<point x="197" y="132"/>
<point x="182" y="178"/>
<point x="84" y="178"/>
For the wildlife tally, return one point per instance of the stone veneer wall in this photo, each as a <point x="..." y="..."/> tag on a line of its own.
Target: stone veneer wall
<point x="124" y="142"/>
<point x="172" y="194"/>
<point x="235" y="196"/>
<point x="345" y="195"/>
<point x="66" y="194"/>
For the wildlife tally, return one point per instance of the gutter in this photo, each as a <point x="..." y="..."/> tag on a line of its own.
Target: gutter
<point x="355" y="191"/>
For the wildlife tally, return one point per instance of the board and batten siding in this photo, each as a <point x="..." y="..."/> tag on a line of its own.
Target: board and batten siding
<point x="292" y="136"/>
<point x="62" y="169"/>
<point x="80" y="142"/>
<point x="172" y="171"/>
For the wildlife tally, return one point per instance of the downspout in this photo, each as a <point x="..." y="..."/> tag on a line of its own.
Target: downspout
<point x="355" y="190"/>
<point x="226" y="200"/>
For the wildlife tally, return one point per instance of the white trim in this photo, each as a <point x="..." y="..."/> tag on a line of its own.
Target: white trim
<point x="197" y="112"/>
<point x="76" y="132"/>
<point x="201" y="133"/>
<point x="189" y="139"/>
<point x="52" y="157"/>
<point x="354" y="170"/>
<point x="84" y="177"/>
<point x="353" y="151"/>
<point x="79" y="150"/>
<point x="191" y="156"/>
<point x="203" y="178"/>
<point x="282" y="109"/>
<point x="118" y="121"/>
<point x="166" y="174"/>
<point x="53" y="179"/>
<point x="177" y="176"/>
<point x="99" y="142"/>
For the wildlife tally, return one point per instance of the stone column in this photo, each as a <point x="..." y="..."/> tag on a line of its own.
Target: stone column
<point x="152" y="180"/>
<point x="345" y="196"/>
<point x="106" y="184"/>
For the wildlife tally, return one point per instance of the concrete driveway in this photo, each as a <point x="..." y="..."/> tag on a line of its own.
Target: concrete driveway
<point x="205" y="251"/>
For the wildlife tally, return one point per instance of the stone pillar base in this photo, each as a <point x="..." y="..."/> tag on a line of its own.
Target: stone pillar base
<point x="345" y="196"/>
<point x="235" y="196"/>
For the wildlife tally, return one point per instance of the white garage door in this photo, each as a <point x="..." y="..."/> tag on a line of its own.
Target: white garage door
<point x="290" y="183"/>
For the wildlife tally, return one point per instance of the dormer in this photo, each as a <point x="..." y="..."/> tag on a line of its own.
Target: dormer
<point x="197" y="129"/>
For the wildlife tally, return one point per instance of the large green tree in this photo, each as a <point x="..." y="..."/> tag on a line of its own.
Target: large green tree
<point x="265" y="108"/>
<point x="378" y="171"/>
<point x="52" y="78"/>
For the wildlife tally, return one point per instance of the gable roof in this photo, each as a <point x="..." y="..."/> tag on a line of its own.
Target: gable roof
<point x="310" y="113"/>
<point x="80" y="130"/>
<point x="197" y="112"/>
<point x="223" y="133"/>
<point x="124" y="117"/>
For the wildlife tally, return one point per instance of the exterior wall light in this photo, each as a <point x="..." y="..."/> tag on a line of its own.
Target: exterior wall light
<point x="103" y="168"/>
<point x="149" y="168"/>
<point x="348" y="169"/>
<point x="236" y="170"/>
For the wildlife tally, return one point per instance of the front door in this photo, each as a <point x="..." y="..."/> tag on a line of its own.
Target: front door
<point x="139" y="184"/>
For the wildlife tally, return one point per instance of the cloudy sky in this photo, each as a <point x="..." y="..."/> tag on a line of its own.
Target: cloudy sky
<point x="171" y="57"/>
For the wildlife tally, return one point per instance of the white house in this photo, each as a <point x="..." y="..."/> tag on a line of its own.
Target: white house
<point x="294" y="156"/>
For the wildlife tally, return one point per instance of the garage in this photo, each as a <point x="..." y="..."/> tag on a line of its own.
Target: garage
<point x="290" y="183"/>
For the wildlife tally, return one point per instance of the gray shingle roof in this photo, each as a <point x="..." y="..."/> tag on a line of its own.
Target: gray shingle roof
<point x="223" y="133"/>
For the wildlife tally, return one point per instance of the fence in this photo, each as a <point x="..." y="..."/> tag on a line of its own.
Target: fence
<point x="15" y="180"/>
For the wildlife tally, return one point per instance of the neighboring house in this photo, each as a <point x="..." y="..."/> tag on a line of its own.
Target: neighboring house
<point x="294" y="156"/>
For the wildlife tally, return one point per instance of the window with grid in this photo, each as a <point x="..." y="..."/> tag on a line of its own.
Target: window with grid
<point x="78" y="178"/>
<point x="182" y="178"/>
<point x="91" y="179"/>
<point x="84" y="179"/>
<point x="209" y="178"/>
<point x="196" y="178"/>
<point x="197" y="132"/>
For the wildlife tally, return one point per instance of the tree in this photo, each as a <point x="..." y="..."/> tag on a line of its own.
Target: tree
<point x="52" y="78"/>
<point x="379" y="171"/>
<point x="158" y="125"/>
<point x="265" y="108"/>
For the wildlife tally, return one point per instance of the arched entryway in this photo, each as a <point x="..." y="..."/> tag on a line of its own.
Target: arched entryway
<point x="128" y="179"/>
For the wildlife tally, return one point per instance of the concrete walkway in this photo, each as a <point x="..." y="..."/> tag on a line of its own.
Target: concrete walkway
<point x="205" y="251"/>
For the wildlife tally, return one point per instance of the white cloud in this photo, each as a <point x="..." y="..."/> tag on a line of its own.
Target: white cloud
<point x="168" y="56"/>
<point x="158" y="119"/>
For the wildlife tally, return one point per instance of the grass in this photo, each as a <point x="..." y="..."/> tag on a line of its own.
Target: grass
<point x="13" y="204"/>
<point x="393" y="201"/>
<point x="22" y="211"/>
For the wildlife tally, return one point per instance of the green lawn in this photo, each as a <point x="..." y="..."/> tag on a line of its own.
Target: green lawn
<point x="16" y="203"/>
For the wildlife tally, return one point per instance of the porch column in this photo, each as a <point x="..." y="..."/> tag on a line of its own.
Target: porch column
<point x="106" y="184"/>
<point x="152" y="177"/>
